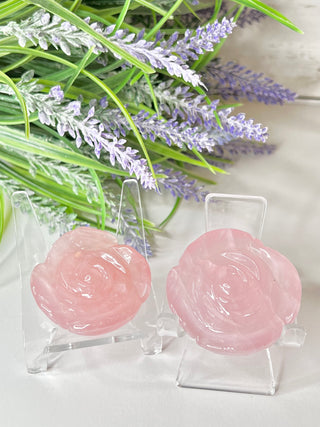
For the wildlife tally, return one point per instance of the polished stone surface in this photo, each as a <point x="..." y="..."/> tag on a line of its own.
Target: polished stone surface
<point x="232" y="293"/>
<point x="89" y="284"/>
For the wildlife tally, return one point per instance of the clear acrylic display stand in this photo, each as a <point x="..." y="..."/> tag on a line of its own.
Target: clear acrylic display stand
<point x="44" y="341"/>
<point x="257" y="373"/>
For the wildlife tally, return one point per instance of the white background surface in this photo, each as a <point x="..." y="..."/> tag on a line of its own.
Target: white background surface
<point x="118" y="386"/>
<point x="287" y="57"/>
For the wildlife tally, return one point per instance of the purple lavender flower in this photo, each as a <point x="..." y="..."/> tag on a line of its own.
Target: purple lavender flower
<point x="158" y="56"/>
<point x="57" y="93"/>
<point x="238" y="127"/>
<point x="175" y="102"/>
<point x="179" y="185"/>
<point x="237" y="81"/>
<point x="203" y="40"/>
<point x="171" y="55"/>
<point x="181" y="102"/>
<point x="173" y="132"/>
<point x="190" y="108"/>
<point x="82" y="124"/>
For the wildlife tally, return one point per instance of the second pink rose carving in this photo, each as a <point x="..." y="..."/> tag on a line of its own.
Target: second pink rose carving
<point x="233" y="294"/>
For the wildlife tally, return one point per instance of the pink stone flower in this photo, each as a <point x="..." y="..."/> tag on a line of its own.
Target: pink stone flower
<point x="233" y="294"/>
<point x="89" y="284"/>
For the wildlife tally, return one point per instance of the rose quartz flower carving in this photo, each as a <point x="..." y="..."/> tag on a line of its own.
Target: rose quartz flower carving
<point x="233" y="294"/>
<point x="89" y="284"/>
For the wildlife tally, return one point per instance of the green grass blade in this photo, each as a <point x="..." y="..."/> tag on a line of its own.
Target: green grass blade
<point x="46" y="190"/>
<point x="55" y="8"/>
<point x="171" y="213"/>
<point x="5" y="79"/>
<point x="126" y="114"/>
<point x="164" y="19"/>
<point x="267" y="10"/>
<point x="99" y="83"/>
<point x="153" y="96"/>
<point x="17" y="120"/>
<point x="152" y="6"/>
<point x="136" y="78"/>
<point x="10" y="137"/>
<point x="122" y="15"/>
<point x="78" y="70"/>
<point x="186" y="4"/>
<point x="164" y="150"/>
<point x="92" y="172"/>
<point x="75" y="5"/>
<point x="64" y="189"/>
<point x="8" y="8"/>
<point x="217" y="7"/>
<point x="213" y="169"/>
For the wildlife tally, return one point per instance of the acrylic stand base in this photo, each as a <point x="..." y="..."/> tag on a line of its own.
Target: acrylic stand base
<point x="43" y="340"/>
<point x="257" y="373"/>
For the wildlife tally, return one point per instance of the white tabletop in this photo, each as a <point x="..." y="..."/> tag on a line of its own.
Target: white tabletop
<point x="116" y="385"/>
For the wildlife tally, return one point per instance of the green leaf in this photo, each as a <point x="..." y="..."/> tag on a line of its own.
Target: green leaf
<point x="126" y="114"/>
<point x="79" y="69"/>
<point x="16" y="119"/>
<point x="122" y="15"/>
<point x="164" y="19"/>
<point x="186" y="4"/>
<point x="7" y="8"/>
<point x="151" y="6"/>
<point x="42" y="178"/>
<point x="99" y="83"/>
<point x="267" y="10"/>
<point x="217" y="7"/>
<point x="211" y="168"/>
<point x="10" y="137"/>
<point x="5" y="79"/>
<point x="75" y="5"/>
<point x="171" y="153"/>
<point x="171" y="213"/>
<point x="92" y="172"/>
<point x="55" y="8"/>
<point x="47" y="190"/>
<point x="153" y="96"/>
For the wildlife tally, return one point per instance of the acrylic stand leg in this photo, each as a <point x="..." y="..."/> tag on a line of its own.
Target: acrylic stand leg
<point x="151" y="342"/>
<point x="259" y="372"/>
<point x="44" y="341"/>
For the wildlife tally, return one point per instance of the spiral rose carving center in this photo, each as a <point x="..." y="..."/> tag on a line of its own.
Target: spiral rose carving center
<point x="89" y="284"/>
<point x="233" y="294"/>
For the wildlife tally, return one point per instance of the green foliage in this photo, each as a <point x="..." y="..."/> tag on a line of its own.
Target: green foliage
<point x="48" y="164"/>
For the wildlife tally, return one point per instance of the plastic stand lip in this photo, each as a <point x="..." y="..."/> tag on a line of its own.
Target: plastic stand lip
<point x="256" y="373"/>
<point x="44" y="341"/>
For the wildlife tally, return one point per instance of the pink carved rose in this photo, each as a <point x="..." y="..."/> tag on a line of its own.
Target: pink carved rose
<point x="233" y="294"/>
<point x="89" y="284"/>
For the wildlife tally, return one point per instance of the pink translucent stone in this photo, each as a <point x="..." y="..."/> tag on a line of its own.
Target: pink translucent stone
<point x="89" y="284"/>
<point x="233" y="294"/>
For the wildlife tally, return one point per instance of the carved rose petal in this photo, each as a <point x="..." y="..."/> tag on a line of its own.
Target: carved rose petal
<point x="233" y="294"/>
<point x="89" y="284"/>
